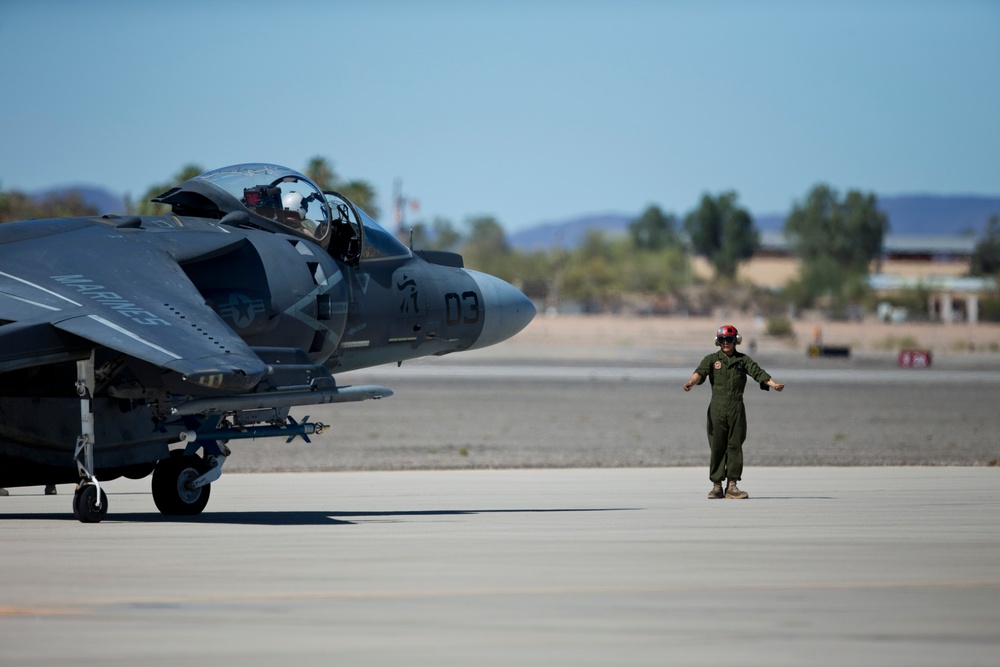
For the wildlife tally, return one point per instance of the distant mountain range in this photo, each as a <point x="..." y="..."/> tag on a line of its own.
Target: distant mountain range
<point x="947" y="215"/>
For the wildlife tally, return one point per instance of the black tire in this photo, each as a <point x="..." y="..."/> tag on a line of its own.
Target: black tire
<point x="170" y="492"/>
<point x="85" y="504"/>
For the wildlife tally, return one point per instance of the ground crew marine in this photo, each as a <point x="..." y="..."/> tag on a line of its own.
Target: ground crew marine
<point x="727" y="371"/>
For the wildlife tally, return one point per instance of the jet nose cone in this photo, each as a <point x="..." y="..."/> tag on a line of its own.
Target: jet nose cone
<point x="505" y="310"/>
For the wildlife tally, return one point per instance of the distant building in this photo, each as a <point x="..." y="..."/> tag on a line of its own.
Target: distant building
<point x="937" y="263"/>
<point x="926" y="255"/>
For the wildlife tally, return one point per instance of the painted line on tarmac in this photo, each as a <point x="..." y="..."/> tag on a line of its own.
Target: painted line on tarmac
<point x="43" y="611"/>
<point x="162" y="603"/>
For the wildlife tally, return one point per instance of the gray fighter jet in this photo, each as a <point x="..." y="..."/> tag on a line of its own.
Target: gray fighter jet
<point x="144" y="345"/>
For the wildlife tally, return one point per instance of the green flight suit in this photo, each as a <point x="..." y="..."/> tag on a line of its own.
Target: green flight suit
<point x="727" y="417"/>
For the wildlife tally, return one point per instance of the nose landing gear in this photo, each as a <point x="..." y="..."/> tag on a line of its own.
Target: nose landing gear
<point x="90" y="503"/>
<point x="86" y="506"/>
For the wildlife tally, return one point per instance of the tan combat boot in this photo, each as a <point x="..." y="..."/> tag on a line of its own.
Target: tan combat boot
<point x="716" y="491"/>
<point x="733" y="492"/>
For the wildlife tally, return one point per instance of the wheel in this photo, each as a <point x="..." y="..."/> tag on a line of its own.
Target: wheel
<point x="171" y="492"/>
<point x="85" y="504"/>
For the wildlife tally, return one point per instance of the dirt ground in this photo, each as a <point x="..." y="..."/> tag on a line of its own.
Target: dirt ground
<point x="506" y="423"/>
<point x="615" y="334"/>
<point x="513" y="422"/>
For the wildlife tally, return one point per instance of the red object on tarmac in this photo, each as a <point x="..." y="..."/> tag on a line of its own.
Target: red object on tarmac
<point x="915" y="358"/>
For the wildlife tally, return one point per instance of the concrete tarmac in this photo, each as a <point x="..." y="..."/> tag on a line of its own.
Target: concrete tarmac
<point x="624" y="566"/>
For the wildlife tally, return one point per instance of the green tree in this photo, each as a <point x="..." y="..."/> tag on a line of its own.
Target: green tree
<point x="592" y="273"/>
<point x="486" y="248"/>
<point x="16" y="205"/>
<point x="5" y="206"/>
<point x="850" y="231"/>
<point x="445" y="235"/>
<point x="837" y="239"/>
<point x="65" y="205"/>
<point x="986" y="256"/>
<point x="986" y="262"/>
<point x="656" y="272"/>
<point x="535" y="274"/>
<point x="723" y="232"/>
<point x="653" y="230"/>
<point x="321" y="172"/>
<point x="363" y="195"/>
<point x="439" y="235"/>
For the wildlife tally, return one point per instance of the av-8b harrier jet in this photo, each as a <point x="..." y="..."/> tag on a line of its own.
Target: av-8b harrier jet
<point x="143" y="345"/>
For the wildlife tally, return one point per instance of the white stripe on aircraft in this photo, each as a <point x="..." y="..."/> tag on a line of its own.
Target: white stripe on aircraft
<point x="47" y="291"/>
<point x="134" y="336"/>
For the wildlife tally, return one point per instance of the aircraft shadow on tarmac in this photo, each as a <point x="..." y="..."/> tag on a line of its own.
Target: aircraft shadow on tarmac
<point x="295" y="518"/>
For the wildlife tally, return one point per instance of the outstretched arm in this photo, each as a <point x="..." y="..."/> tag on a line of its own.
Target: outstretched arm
<point x="696" y="379"/>
<point x="777" y="386"/>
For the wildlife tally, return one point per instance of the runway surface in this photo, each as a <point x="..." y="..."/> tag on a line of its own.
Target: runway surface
<point x="822" y="566"/>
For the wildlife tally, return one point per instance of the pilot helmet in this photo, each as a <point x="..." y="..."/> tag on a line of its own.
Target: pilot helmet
<point x="295" y="206"/>
<point x="727" y="331"/>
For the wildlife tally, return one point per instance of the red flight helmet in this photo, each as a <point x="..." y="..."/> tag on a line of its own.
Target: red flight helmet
<point x="727" y="331"/>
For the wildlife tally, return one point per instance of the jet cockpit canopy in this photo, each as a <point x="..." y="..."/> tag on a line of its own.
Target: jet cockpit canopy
<point x="279" y="194"/>
<point x="283" y="200"/>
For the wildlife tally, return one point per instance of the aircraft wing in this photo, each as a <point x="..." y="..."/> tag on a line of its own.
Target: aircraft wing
<point x="120" y="288"/>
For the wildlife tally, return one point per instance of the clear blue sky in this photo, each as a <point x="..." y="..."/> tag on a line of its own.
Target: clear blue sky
<point x="528" y="111"/>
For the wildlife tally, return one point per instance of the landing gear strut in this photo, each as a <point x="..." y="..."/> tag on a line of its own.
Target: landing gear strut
<point x="90" y="503"/>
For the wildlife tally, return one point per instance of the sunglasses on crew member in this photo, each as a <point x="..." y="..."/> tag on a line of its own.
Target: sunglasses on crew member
<point x="727" y="339"/>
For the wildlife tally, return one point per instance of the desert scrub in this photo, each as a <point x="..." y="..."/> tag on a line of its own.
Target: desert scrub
<point x="897" y="343"/>
<point x="780" y="327"/>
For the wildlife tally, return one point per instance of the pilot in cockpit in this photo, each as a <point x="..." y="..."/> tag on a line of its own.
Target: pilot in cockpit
<point x="295" y="208"/>
<point x="295" y="212"/>
<point x="290" y="208"/>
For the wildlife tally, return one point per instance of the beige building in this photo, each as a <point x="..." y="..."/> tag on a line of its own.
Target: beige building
<point x="938" y="263"/>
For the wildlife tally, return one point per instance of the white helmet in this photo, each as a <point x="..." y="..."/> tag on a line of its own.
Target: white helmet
<point x="293" y="203"/>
